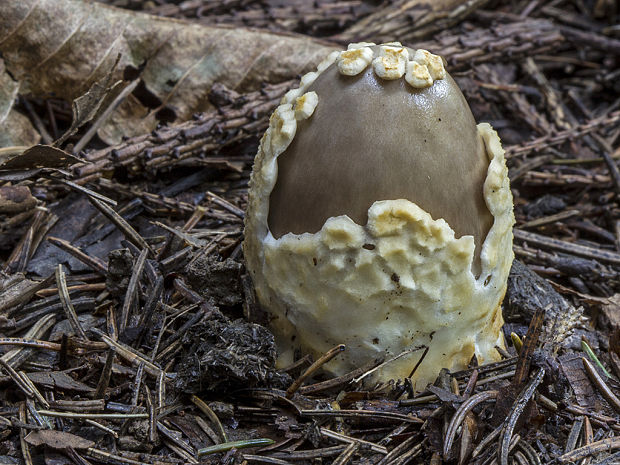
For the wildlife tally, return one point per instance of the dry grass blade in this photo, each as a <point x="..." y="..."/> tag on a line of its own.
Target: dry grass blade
<point x="104" y="379"/>
<point x="130" y="355"/>
<point x="90" y="193"/>
<point x="17" y="379"/>
<point x="459" y="415"/>
<point x="326" y="357"/>
<point x="601" y="385"/>
<point x="344" y="438"/>
<point x="226" y="205"/>
<point x="93" y="416"/>
<point x="361" y="414"/>
<point x="93" y="262"/>
<point x="263" y="459"/>
<point x="25" y="448"/>
<point x="124" y="227"/>
<point x="347" y="454"/>
<point x="527" y="350"/>
<point x="132" y="289"/>
<point x="409" y="20"/>
<point x="63" y="292"/>
<point x="204" y="408"/>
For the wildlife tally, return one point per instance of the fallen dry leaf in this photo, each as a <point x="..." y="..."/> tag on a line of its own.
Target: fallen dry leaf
<point x="15" y="128"/>
<point x="38" y="156"/>
<point x="57" y="440"/>
<point x="58" y="380"/>
<point x="64" y="46"/>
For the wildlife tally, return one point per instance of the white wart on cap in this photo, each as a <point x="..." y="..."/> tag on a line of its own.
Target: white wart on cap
<point x="380" y="216"/>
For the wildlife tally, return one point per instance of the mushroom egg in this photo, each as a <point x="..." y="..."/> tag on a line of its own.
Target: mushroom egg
<point x="380" y="217"/>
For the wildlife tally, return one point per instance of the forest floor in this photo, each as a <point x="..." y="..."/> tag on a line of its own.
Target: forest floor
<point x="129" y="330"/>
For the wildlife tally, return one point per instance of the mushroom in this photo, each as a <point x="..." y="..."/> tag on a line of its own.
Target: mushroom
<point x="380" y="216"/>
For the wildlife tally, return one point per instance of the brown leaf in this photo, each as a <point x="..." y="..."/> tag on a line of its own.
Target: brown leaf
<point x="57" y="440"/>
<point x="63" y="46"/>
<point x="87" y="106"/>
<point x="610" y="313"/>
<point x="38" y="156"/>
<point x="572" y="366"/>
<point x="16" y="129"/>
<point x="58" y="380"/>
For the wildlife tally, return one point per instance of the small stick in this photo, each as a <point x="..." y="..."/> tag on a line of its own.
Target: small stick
<point x="226" y="205"/>
<point x="79" y="405"/>
<point x="459" y="416"/>
<point x="603" y="445"/>
<point x="568" y="247"/>
<point x="137" y="384"/>
<point x="346" y="454"/>
<point x="362" y="413"/>
<point x="17" y="356"/>
<point x="152" y="415"/>
<point x="89" y="192"/>
<point x="129" y="354"/>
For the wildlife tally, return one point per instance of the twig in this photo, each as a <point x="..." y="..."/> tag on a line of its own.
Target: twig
<point x="608" y="444"/>
<point x="568" y="247"/>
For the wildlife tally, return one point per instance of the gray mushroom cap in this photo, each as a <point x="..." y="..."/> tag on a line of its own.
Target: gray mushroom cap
<point x="373" y="139"/>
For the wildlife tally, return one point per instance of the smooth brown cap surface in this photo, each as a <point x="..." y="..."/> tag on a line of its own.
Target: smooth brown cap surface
<point x="371" y="139"/>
